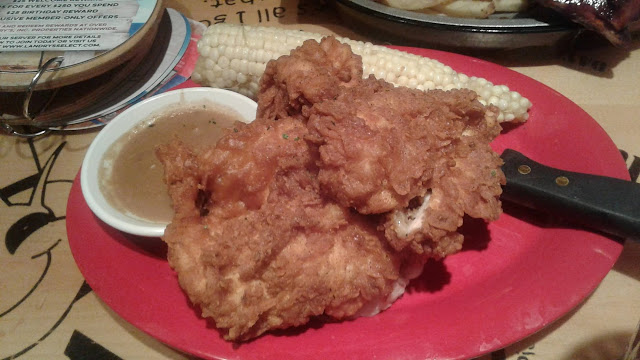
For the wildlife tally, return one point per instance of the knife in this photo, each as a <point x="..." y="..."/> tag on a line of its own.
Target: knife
<point x="600" y="203"/>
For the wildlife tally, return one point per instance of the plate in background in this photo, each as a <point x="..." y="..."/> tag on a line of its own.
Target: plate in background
<point x="500" y="31"/>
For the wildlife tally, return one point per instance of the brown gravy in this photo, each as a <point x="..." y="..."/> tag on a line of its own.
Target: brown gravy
<point x="131" y="175"/>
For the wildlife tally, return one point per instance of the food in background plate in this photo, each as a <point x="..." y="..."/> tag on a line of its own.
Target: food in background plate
<point x="479" y="9"/>
<point x="611" y="18"/>
<point x="235" y="56"/>
<point x="332" y="199"/>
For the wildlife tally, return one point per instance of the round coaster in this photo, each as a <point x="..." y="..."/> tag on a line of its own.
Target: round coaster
<point x="92" y="38"/>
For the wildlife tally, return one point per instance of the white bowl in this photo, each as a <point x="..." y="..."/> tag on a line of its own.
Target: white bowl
<point x="124" y="122"/>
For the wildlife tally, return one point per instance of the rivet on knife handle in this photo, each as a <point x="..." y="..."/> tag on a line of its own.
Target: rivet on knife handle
<point x="598" y="202"/>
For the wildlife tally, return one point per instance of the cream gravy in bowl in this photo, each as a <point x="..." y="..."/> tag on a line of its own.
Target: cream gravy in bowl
<point x="121" y="178"/>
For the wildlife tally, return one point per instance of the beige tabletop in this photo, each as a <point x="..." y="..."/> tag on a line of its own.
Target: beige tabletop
<point x="48" y="312"/>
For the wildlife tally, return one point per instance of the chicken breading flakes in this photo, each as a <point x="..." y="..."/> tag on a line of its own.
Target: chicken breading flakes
<point x="332" y="199"/>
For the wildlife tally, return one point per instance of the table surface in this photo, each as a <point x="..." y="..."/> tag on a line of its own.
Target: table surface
<point x="63" y="319"/>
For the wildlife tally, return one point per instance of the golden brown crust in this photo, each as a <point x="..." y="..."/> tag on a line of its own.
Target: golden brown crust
<point x="296" y="256"/>
<point x="310" y="74"/>
<point x="382" y="147"/>
<point x="295" y="215"/>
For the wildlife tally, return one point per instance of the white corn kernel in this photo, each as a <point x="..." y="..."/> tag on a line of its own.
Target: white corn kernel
<point x="235" y="56"/>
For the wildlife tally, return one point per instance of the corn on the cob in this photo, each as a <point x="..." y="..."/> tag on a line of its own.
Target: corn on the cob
<point x="235" y="56"/>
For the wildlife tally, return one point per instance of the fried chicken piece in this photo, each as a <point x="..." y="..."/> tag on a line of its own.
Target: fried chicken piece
<point x="382" y="148"/>
<point x="299" y="214"/>
<point x="310" y="74"/>
<point x="267" y="251"/>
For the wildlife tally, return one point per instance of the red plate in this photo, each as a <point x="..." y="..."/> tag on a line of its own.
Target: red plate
<point x="512" y="278"/>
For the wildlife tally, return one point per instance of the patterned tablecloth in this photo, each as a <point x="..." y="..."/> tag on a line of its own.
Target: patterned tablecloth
<point x="47" y="311"/>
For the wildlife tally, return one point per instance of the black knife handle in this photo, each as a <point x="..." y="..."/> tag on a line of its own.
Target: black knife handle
<point x="602" y="203"/>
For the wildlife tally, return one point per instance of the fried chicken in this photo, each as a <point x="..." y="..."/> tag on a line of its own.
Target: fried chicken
<point x="382" y="148"/>
<point x="310" y="74"/>
<point x="331" y="200"/>
<point x="266" y="250"/>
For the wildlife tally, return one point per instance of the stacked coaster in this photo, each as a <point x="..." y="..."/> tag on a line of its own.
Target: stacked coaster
<point x="57" y="58"/>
